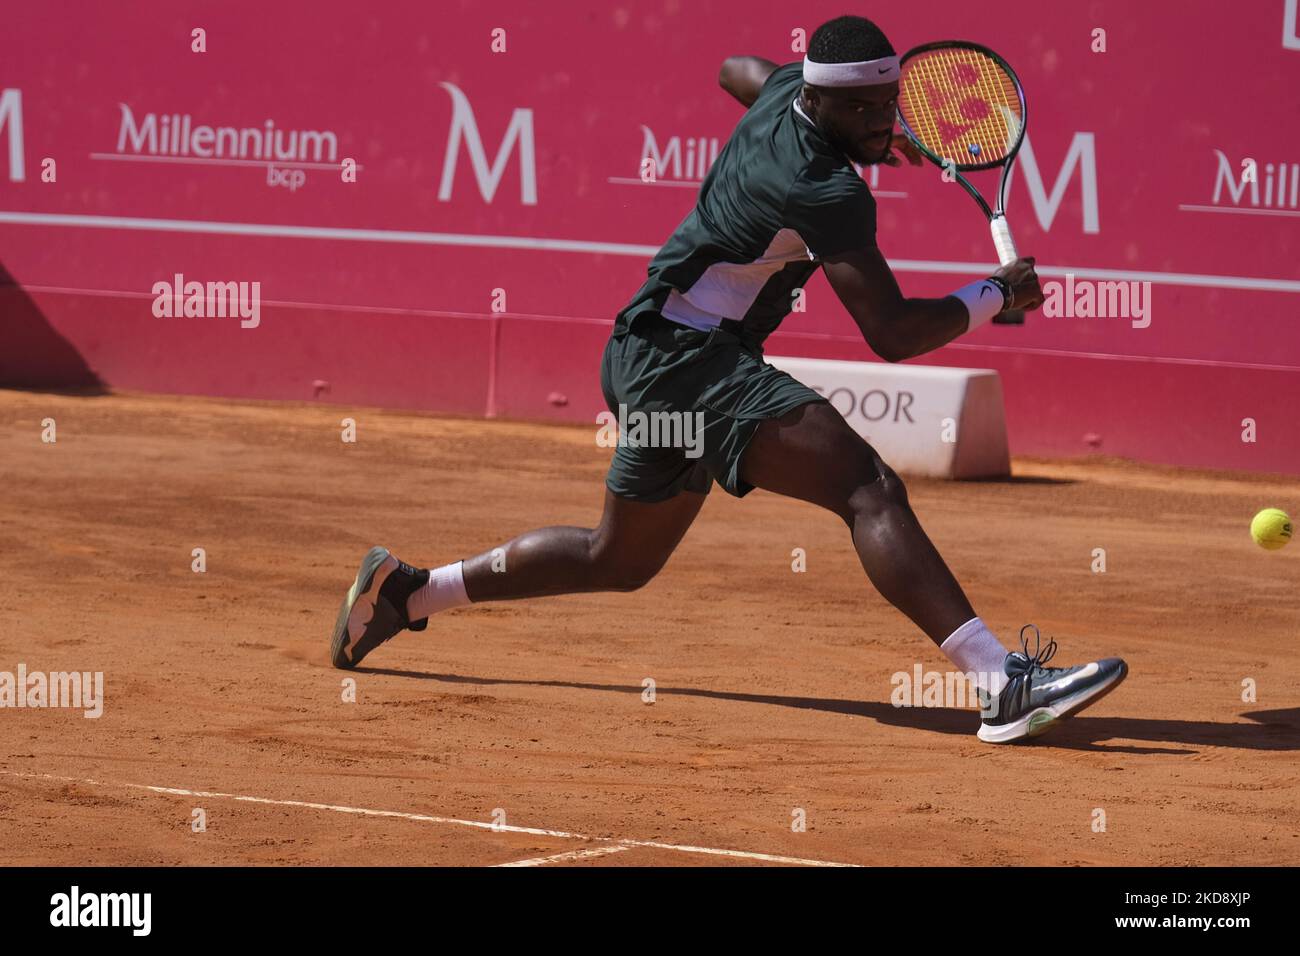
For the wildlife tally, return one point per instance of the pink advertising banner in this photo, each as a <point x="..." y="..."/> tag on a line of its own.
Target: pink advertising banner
<point x="443" y="204"/>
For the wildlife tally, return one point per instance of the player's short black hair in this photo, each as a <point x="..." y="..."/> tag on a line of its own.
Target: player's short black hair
<point x="848" y="40"/>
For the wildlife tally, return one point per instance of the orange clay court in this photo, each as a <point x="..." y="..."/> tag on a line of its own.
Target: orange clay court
<point x="772" y="687"/>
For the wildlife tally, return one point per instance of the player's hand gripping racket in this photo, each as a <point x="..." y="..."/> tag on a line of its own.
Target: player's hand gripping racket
<point x="963" y="107"/>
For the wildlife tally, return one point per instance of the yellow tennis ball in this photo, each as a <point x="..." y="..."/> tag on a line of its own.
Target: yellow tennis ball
<point x="1271" y="528"/>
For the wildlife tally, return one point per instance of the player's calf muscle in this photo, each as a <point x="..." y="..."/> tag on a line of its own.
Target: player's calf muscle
<point x="545" y="561"/>
<point x="559" y="560"/>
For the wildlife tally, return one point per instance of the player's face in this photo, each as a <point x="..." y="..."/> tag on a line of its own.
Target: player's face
<point x="858" y="120"/>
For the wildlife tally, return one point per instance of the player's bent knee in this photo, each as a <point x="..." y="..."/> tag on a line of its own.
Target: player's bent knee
<point x="629" y="578"/>
<point x="614" y="571"/>
<point x="884" y="492"/>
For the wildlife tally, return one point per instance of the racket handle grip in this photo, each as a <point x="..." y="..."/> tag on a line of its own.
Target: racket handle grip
<point x="1007" y="254"/>
<point x="1002" y="240"/>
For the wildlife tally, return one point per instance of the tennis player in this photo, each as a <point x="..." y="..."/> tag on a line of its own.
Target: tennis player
<point x="783" y="199"/>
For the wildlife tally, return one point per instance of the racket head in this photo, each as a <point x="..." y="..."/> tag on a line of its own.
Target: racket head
<point x="961" y="101"/>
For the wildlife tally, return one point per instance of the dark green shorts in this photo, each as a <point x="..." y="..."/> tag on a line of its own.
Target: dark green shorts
<point x="716" y="389"/>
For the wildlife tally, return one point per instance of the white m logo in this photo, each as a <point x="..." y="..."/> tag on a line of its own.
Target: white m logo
<point x="1083" y="154"/>
<point x="1290" y="38"/>
<point x="11" y="119"/>
<point x="1235" y="189"/>
<point x="463" y="125"/>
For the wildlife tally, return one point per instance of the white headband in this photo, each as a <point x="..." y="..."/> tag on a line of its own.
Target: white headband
<point x="865" y="73"/>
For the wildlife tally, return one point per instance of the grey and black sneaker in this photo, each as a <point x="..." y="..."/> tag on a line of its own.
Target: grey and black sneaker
<point x="1036" y="696"/>
<point x="375" y="608"/>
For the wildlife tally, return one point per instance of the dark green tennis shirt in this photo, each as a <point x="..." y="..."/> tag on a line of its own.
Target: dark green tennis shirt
<point x="778" y="199"/>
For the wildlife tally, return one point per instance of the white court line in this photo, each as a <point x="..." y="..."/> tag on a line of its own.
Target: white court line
<point x="571" y="855"/>
<point x="327" y="232"/>
<point x="539" y="244"/>
<point x="426" y="818"/>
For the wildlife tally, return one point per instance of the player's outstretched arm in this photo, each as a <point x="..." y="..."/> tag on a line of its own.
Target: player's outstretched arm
<point x="899" y="328"/>
<point x="743" y="77"/>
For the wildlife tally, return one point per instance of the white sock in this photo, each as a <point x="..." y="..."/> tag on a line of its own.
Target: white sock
<point x="445" y="589"/>
<point x="973" y="648"/>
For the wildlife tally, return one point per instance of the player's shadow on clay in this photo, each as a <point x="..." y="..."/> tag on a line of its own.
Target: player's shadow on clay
<point x="1269" y="730"/>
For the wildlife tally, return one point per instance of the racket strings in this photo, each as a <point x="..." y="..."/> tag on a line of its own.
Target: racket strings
<point x="959" y="97"/>
<point x="940" y="74"/>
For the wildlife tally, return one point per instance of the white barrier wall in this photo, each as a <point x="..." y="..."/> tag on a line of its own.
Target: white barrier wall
<point x="938" y="422"/>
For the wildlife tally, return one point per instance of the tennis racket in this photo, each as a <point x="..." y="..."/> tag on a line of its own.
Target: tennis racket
<point x="963" y="107"/>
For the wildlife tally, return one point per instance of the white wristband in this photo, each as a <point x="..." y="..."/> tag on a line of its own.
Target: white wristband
<point x="983" y="300"/>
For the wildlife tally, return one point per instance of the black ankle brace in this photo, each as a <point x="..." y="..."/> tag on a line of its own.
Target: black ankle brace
<point x="398" y="588"/>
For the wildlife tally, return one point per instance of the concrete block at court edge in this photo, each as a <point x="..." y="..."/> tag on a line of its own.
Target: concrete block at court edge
<point x="923" y="420"/>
